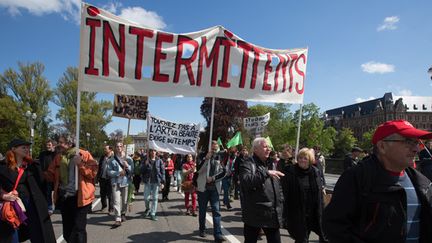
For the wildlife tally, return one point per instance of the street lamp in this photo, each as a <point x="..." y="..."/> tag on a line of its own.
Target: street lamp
<point x="430" y="72"/>
<point x="31" y="118"/>
<point x="88" y="140"/>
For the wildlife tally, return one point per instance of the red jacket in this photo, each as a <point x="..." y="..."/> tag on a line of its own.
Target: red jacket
<point x="169" y="166"/>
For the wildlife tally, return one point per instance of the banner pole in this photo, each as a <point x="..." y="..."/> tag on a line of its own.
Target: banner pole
<point x="127" y="134"/>
<point x="77" y="133"/>
<point x="211" y="123"/>
<point x="298" y="132"/>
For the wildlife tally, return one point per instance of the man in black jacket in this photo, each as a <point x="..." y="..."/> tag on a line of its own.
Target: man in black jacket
<point x="261" y="195"/>
<point x="351" y="159"/>
<point x="45" y="159"/>
<point x="382" y="199"/>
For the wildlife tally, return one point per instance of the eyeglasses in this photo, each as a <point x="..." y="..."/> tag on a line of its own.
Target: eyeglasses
<point x="408" y="142"/>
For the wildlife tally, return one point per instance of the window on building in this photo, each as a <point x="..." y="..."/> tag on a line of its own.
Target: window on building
<point x="424" y="118"/>
<point x="415" y="107"/>
<point x="424" y="107"/>
<point x="417" y="118"/>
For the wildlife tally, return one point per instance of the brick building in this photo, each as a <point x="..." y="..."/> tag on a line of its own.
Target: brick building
<point x="362" y="117"/>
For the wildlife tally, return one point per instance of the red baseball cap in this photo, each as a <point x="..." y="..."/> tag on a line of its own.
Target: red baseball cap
<point x="400" y="127"/>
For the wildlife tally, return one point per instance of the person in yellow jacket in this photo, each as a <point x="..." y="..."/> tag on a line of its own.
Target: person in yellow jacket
<point x="73" y="204"/>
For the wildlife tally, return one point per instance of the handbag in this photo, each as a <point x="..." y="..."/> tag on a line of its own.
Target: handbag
<point x="12" y="212"/>
<point x="187" y="186"/>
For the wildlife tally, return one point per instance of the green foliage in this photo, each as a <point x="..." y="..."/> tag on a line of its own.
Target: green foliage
<point x="94" y="114"/>
<point x="12" y="123"/>
<point x="30" y="90"/>
<point x="344" y="142"/>
<point x="228" y="116"/>
<point x="366" y="141"/>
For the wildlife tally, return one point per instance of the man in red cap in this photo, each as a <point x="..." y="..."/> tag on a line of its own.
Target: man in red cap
<point x="382" y="199"/>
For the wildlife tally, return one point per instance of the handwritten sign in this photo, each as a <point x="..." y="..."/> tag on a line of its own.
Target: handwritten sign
<point x="172" y="137"/>
<point x="130" y="106"/>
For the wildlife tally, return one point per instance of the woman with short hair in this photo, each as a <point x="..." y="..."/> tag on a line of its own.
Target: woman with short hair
<point x="303" y="205"/>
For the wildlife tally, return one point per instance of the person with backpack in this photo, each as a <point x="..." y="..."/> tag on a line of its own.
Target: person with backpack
<point x="383" y="199"/>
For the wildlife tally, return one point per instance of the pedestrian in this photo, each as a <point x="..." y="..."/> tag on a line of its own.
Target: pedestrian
<point x="178" y="166"/>
<point x="303" y="193"/>
<point x="74" y="203"/>
<point x="383" y="199"/>
<point x="286" y="158"/>
<point x="137" y="171"/>
<point x="45" y="159"/>
<point x="21" y="179"/>
<point x="352" y="158"/>
<point x="189" y="168"/>
<point x="261" y="195"/>
<point x="426" y="152"/>
<point x="227" y="180"/>
<point x="210" y="174"/>
<point x="169" y="171"/>
<point x="244" y="153"/>
<point x="153" y="176"/>
<point x="119" y="170"/>
<point x="105" y="180"/>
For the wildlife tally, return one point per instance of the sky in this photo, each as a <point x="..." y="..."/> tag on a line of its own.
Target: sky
<point x="358" y="50"/>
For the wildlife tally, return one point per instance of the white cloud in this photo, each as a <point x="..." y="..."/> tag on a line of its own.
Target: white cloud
<point x="376" y="67"/>
<point x="389" y="23"/>
<point x="405" y="92"/>
<point x="143" y="17"/>
<point x="359" y="100"/>
<point x="68" y="9"/>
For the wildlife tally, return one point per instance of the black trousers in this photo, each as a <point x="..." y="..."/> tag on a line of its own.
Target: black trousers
<point x="106" y="193"/>
<point x="136" y="181"/>
<point x="167" y="185"/>
<point x="74" y="221"/>
<point x="251" y="234"/>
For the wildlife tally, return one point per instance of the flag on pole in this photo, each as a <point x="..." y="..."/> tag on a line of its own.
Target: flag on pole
<point x="269" y="143"/>
<point x="236" y="140"/>
<point x="219" y="141"/>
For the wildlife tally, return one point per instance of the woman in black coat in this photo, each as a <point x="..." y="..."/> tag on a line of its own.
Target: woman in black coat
<point x="303" y="205"/>
<point x="38" y="226"/>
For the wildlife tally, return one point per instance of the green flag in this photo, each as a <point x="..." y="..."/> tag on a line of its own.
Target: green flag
<point x="269" y="143"/>
<point x="236" y="140"/>
<point x="219" y="141"/>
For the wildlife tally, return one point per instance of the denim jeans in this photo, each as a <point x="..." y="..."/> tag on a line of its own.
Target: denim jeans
<point x="179" y="178"/>
<point x="151" y="189"/>
<point x="203" y="199"/>
<point x="226" y="184"/>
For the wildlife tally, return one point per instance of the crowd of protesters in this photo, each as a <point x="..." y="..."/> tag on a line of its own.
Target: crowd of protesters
<point x="377" y="198"/>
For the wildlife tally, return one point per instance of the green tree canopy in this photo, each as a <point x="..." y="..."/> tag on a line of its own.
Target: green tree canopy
<point x="31" y="92"/>
<point x="344" y="142"/>
<point x="94" y="114"/>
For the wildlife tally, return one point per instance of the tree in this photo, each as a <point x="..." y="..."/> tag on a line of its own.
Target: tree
<point x="228" y="116"/>
<point x="366" y="141"/>
<point x="12" y="122"/>
<point x="344" y="142"/>
<point x="94" y="114"/>
<point x="30" y="90"/>
<point x="281" y="128"/>
<point x="116" y="136"/>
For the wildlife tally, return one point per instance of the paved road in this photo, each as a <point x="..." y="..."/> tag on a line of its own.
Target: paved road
<point x="172" y="225"/>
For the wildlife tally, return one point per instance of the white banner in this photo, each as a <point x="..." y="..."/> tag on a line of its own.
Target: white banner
<point x="257" y="123"/>
<point x="119" y="55"/>
<point x="171" y="137"/>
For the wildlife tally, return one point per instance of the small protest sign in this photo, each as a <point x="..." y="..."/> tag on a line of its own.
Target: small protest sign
<point x="130" y="106"/>
<point x="171" y="137"/>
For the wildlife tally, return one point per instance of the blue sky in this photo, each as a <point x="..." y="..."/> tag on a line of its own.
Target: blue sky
<point x="358" y="50"/>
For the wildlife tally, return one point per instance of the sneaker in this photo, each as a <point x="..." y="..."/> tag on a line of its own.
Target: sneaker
<point x="202" y="234"/>
<point x="194" y="214"/>
<point x="116" y="224"/>
<point x="146" y="213"/>
<point x="153" y="217"/>
<point x="123" y="218"/>
<point x="188" y="212"/>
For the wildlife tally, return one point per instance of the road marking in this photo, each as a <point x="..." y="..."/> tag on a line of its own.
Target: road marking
<point x="230" y="238"/>
<point x="61" y="239"/>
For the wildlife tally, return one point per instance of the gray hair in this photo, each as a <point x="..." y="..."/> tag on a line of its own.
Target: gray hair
<point x="257" y="142"/>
